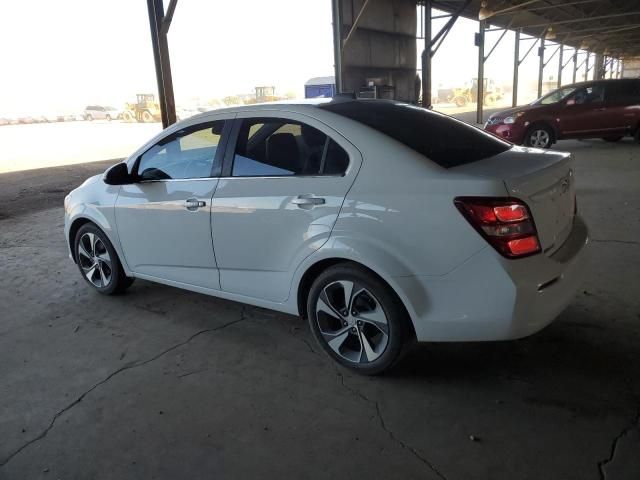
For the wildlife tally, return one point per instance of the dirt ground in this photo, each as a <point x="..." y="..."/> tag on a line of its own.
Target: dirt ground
<point x="163" y="383"/>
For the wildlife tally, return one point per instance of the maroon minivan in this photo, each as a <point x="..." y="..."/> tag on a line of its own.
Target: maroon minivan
<point x="608" y="109"/>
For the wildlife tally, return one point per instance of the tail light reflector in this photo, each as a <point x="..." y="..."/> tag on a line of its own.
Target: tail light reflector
<point x="506" y="223"/>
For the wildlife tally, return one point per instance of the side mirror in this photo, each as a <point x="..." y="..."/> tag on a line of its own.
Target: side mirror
<point x="571" y="101"/>
<point x="118" y="175"/>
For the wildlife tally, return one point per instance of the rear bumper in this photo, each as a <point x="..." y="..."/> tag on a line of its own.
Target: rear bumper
<point x="513" y="133"/>
<point x="492" y="298"/>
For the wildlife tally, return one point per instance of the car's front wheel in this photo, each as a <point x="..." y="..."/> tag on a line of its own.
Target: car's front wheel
<point x="357" y="319"/>
<point x="98" y="261"/>
<point x="539" y="136"/>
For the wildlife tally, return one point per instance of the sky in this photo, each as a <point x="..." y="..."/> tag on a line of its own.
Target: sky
<point x="65" y="54"/>
<point x="58" y="56"/>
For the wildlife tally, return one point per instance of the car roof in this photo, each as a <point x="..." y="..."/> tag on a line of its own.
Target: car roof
<point x="300" y="106"/>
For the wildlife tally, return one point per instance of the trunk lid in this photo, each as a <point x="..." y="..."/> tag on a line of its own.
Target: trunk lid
<point x="544" y="180"/>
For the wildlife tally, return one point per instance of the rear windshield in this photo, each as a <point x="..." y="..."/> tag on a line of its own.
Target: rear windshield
<point x="442" y="139"/>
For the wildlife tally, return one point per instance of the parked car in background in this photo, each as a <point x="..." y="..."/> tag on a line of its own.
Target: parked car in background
<point x="319" y="211"/>
<point x="97" y="112"/>
<point x="4" y="121"/>
<point x="608" y="109"/>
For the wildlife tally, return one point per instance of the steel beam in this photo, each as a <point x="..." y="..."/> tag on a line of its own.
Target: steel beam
<point x="516" y="66"/>
<point x="540" y="65"/>
<point x="575" y="64"/>
<point x="354" y="26"/>
<point x="166" y="21"/>
<point x="504" y="32"/>
<point x="480" y="102"/>
<point x="560" y="65"/>
<point x="426" y="56"/>
<point x="336" y="13"/>
<point x="163" y="65"/>
<point x="582" y="19"/>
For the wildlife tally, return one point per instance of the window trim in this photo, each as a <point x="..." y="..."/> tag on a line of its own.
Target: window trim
<point x="227" y="163"/>
<point x="216" y="165"/>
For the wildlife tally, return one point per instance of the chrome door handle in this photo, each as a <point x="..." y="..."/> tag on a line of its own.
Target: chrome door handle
<point x="194" y="204"/>
<point x="305" y="201"/>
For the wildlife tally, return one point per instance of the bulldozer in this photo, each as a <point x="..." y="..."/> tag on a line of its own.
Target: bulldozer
<point x="146" y="109"/>
<point x="469" y="93"/>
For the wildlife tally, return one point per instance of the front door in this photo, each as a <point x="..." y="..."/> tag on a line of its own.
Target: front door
<point x="583" y="114"/>
<point x="164" y="219"/>
<point x="279" y="196"/>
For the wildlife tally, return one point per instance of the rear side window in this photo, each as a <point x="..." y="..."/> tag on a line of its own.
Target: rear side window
<point x="442" y="139"/>
<point x="627" y="92"/>
<point x="268" y="147"/>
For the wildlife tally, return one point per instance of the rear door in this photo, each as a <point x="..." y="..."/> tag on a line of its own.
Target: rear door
<point x="284" y="180"/>
<point x="164" y="220"/>
<point x="623" y="105"/>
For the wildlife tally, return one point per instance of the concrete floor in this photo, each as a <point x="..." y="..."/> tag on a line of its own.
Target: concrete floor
<point x="162" y="383"/>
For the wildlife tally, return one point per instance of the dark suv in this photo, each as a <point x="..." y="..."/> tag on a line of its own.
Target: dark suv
<point x="608" y="109"/>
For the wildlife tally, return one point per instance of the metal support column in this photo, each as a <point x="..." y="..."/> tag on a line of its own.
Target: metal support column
<point x="480" y="42"/>
<point x="540" y="66"/>
<point x="575" y="64"/>
<point x="426" y="56"/>
<point x="560" y="65"/>
<point x="516" y="68"/>
<point x="586" y="68"/>
<point x="336" y="12"/>
<point x="159" y="27"/>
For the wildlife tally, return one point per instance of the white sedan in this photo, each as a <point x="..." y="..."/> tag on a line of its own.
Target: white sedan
<point x="380" y="222"/>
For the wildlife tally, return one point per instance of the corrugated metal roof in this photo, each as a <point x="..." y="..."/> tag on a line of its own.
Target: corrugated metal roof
<point x="599" y="25"/>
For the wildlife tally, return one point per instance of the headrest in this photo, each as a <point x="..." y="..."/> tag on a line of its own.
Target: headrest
<point x="283" y="152"/>
<point x="313" y="137"/>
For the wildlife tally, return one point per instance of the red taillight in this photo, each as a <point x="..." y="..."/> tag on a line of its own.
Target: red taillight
<point x="505" y="223"/>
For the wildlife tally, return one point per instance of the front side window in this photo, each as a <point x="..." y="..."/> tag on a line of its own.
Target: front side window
<point x="587" y="95"/>
<point x="188" y="153"/>
<point x="555" y="96"/>
<point x="269" y="147"/>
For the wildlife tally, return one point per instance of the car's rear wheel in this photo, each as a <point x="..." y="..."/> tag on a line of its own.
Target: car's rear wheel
<point x="539" y="136"/>
<point x="615" y="138"/>
<point x="357" y="319"/>
<point x="89" y="118"/>
<point x="108" y="117"/>
<point x="98" y="261"/>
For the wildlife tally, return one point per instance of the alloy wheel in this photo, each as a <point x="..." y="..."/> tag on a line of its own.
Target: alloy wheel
<point x="352" y="322"/>
<point x="94" y="260"/>
<point x="539" y="138"/>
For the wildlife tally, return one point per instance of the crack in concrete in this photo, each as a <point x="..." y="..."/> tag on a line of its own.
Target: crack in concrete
<point x="389" y="432"/>
<point x="626" y="242"/>
<point x="614" y="445"/>
<point x="128" y="366"/>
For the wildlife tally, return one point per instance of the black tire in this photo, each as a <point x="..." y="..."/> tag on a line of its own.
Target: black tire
<point x="108" y="117"/>
<point x="539" y="136"/>
<point x="118" y="282"/>
<point x="372" y="297"/>
<point x="88" y="118"/>
<point x="460" y="101"/>
<point x="612" y="139"/>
